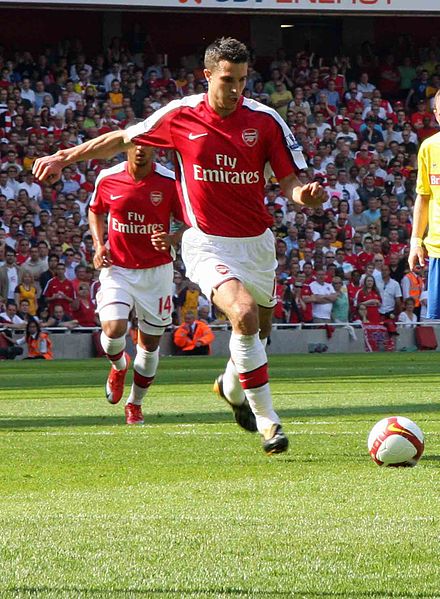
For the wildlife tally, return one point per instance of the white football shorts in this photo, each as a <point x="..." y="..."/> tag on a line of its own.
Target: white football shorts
<point x="149" y="290"/>
<point x="211" y="260"/>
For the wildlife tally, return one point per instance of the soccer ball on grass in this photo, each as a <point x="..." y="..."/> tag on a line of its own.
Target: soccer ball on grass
<point x="396" y="441"/>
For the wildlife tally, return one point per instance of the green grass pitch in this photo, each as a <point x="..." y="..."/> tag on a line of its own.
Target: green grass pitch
<point x="190" y="506"/>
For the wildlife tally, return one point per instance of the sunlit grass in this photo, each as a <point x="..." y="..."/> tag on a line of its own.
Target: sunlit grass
<point x="189" y="505"/>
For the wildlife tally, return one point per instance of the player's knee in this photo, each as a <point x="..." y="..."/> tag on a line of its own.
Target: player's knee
<point x="244" y="318"/>
<point x="114" y="328"/>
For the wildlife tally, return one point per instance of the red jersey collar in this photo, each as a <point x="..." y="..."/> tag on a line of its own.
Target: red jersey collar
<point x="215" y="114"/>
<point x="153" y="170"/>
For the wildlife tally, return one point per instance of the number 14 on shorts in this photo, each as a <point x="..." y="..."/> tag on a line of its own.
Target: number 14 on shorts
<point x="165" y="305"/>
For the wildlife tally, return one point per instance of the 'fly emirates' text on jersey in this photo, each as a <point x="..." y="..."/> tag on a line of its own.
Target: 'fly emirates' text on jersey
<point x="221" y="161"/>
<point x="136" y="210"/>
<point x="428" y="183"/>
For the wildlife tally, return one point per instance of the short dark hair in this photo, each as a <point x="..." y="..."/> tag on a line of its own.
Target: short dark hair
<point x="225" y="48"/>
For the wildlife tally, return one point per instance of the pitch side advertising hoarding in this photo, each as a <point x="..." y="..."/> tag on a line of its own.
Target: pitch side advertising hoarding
<point x="365" y="6"/>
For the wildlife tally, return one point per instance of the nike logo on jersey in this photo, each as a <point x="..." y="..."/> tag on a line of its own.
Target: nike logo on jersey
<point x="196" y="135"/>
<point x="112" y="197"/>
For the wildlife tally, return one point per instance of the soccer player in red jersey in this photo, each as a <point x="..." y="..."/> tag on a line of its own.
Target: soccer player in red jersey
<point x="139" y="197"/>
<point x="223" y="143"/>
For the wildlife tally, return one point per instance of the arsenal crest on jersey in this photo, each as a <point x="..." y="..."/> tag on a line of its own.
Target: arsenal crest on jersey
<point x="156" y="197"/>
<point x="222" y="269"/>
<point x="250" y="137"/>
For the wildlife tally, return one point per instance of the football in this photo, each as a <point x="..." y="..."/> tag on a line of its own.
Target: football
<point x="396" y="441"/>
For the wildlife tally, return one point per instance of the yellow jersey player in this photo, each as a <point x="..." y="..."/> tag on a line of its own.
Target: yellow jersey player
<point x="426" y="225"/>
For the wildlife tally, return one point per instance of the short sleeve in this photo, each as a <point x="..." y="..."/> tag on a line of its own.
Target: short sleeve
<point x="284" y="152"/>
<point x="423" y="186"/>
<point x="97" y="203"/>
<point x="156" y="129"/>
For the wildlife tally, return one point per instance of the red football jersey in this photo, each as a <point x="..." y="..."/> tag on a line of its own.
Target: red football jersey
<point x="136" y="209"/>
<point x="55" y="286"/>
<point x="221" y="161"/>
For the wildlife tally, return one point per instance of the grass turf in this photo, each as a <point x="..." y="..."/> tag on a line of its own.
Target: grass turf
<point x="189" y="506"/>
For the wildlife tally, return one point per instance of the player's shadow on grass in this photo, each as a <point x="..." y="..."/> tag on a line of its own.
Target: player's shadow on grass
<point x="431" y="458"/>
<point x="400" y="409"/>
<point x="224" y="417"/>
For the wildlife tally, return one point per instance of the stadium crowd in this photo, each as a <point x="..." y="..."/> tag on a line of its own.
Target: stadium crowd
<point x="359" y="121"/>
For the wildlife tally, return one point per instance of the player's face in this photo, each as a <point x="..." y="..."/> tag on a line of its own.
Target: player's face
<point x="225" y="85"/>
<point x="140" y="155"/>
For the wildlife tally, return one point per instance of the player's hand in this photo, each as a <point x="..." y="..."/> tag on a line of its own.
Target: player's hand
<point x="48" y="168"/>
<point x="162" y="241"/>
<point x="416" y="258"/>
<point x="102" y="258"/>
<point x="312" y="195"/>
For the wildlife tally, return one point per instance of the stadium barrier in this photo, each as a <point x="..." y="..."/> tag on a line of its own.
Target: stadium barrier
<point x="285" y="339"/>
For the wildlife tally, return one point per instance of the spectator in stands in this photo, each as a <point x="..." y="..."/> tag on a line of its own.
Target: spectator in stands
<point x="70" y="263"/>
<point x="38" y="343"/>
<point x="43" y="316"/>
<point x="26" y="289"/>
<point x="369" y="297"/>
<point x="45" y="277"/>
<point x="413" y="285"/>
<point x="83" y="309"/>
<point x="23" y="311"/>
<point x="408" y="316"/>
<point x="373" y="211"/>
<point x="324" y="296"/>
<point x="59" y="290"/>
<point x="60" y="318"/>
<point x="357" y="219"/>
<point x="193" y="337"/>
<point x="10" y="274"/>
<point x="10" y="318"/>
<point x="187" y="300"/>
<point x="390" y="293"/>
<point x="280" y="98"/>
<point x="35" y="264"/>
<point x="340" y="309"/>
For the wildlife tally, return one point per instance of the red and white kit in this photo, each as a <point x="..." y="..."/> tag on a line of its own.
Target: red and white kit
<point x="224" y="197"/>
<point x="140" y="275"/>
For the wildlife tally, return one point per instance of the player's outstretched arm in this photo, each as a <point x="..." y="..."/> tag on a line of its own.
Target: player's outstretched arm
<point x="311" y="194"/>
<point x="49" y="168"/>
<point x="421" y="211"/>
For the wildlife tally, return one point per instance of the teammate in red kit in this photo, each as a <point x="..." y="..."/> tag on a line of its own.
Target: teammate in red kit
<point x="139" y="197"/>
<point x="223" y="143"/>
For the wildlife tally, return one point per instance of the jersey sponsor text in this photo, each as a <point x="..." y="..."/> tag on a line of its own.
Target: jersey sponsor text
<point x="220" y="175"/>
